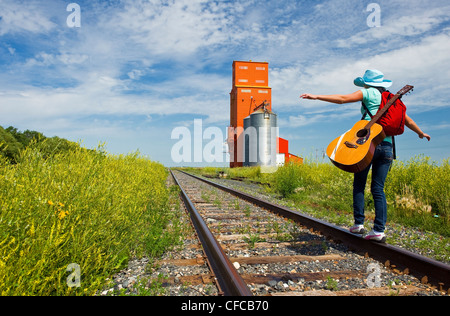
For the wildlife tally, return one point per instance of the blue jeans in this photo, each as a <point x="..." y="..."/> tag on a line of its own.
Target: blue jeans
<point x="381" y="163"/>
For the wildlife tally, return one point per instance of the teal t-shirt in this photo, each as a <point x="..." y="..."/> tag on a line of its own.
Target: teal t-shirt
<point x="372" y="99"/>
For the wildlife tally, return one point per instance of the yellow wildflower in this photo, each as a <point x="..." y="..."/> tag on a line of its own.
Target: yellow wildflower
<point x="50" y="202"/>
<point x="62" y="214"/>
<point x="32" y="230"/>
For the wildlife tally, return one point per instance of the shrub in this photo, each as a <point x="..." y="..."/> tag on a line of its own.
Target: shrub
<point x="287" y="178"/>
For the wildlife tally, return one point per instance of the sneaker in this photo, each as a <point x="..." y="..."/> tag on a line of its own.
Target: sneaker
<point x="357" y="229"/>
<point x="375" y="236"/>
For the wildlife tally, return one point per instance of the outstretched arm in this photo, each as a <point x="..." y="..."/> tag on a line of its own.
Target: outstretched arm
<point x="335" y="98"/>
<point x="413" y="126"/>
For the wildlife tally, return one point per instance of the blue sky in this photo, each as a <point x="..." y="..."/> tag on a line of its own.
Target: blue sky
<point x="136" y="70"/>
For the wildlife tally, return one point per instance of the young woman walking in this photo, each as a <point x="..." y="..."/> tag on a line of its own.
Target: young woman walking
<point x="373" y="84"/>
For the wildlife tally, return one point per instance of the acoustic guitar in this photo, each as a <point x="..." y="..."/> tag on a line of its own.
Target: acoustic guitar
<point x="353" y="151"/>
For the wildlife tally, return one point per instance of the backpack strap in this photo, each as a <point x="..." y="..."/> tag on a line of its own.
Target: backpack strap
<point x="381" y="90"/>
<point x="394" y="148"/>
<point x="367" y="111"/>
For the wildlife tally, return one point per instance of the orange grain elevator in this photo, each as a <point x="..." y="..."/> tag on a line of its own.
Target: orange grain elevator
<point x="251" y="94"/>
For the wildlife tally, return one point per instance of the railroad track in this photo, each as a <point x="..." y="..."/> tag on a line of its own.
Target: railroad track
<point x="251" y="247"/>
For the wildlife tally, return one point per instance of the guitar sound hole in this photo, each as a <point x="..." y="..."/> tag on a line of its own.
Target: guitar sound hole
<point x="363" y="135"/>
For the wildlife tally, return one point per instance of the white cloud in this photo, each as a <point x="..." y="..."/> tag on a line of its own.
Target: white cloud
<point x="135" y="74"/>
<point x="421" y="64"/>
<point x="103" y="95"/>
<point x="20" y="16"/>
<point x="174" y="28"/>
<point x="394" y="28"/>
<point x="333" y="114"/>
<point x="44" y="59"/>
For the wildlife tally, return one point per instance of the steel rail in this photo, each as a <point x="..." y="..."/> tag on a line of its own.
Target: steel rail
<point x="436" y="272"/>
<point x="230" y="281"/>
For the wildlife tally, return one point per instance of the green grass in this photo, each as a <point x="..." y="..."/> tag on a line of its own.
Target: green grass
<point x="78" y="206"/>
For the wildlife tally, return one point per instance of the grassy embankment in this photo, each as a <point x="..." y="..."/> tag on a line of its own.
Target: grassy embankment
<point x="83" y="207"/>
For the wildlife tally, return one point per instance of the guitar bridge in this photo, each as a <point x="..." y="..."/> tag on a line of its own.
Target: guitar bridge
<point x="351" y="145"/>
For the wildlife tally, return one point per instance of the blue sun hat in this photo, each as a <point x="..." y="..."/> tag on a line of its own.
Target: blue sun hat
<point x="373" y="78"/>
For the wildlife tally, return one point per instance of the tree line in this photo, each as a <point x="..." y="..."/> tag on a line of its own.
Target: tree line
<point x="13" y="141"/>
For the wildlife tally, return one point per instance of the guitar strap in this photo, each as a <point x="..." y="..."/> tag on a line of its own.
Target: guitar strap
<point x="371" y="116"/>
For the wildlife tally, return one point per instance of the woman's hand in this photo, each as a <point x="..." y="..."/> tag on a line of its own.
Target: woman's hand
<point x="424" y="135"/>
<point x="308" y="96"/>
